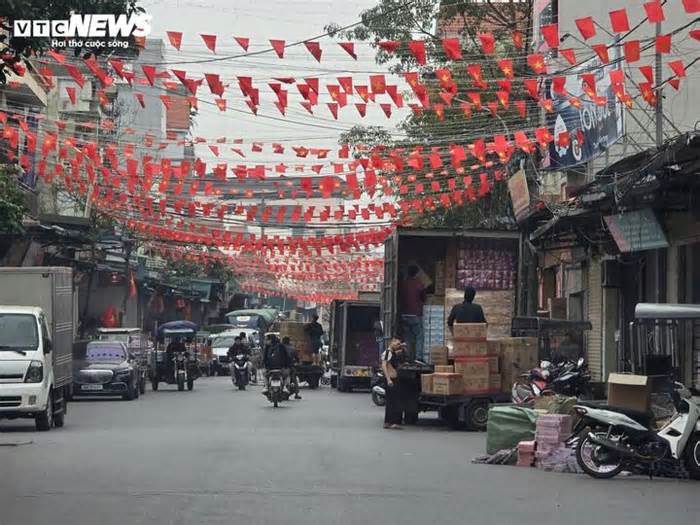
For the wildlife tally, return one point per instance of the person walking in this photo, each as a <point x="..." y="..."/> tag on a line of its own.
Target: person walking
<point x="392" y="358"/>
<point x="467" y="311"/>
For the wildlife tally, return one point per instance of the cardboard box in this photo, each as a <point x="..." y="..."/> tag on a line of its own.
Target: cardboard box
<point x="444" y="369"/>
<point x="475" y="385"/>
<point x="518" y="355"/>
<point x="469" y="331"/>
<point x="472" y="367"/>
<point x="426" y="383"/>
<point x="447" y="384"/>
<point x="629" y="391"/>
<point x="495" y="382"/>
<point x="438" y="355"/>
<point x="493" y="346"/>
<point x="469" y="349"/>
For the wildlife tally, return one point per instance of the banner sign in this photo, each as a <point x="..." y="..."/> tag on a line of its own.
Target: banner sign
<point x="636" y="231"/>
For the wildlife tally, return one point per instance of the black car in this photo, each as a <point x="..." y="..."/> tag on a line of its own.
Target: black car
<point x="105" y="368"/>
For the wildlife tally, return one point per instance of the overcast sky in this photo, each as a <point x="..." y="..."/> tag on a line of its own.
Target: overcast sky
<point x="261" y="20"/>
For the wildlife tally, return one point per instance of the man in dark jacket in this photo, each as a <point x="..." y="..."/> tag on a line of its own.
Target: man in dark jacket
<point x="315" y="331"/>
<point x="466" y="312"/>
<point x="276" y="357"/>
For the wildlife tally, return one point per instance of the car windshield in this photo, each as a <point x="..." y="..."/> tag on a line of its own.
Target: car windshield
<point x="122" y="338"/>
<point x="244" y="321"/>
<point x="220" y="342"/>
<point x="18" y="332"/>
<point x="105" y="353"/>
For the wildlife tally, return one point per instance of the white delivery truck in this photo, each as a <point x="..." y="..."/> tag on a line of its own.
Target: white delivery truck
<point x="37" y="330"/>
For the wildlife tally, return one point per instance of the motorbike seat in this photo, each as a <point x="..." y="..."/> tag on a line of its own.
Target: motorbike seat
<point x="643" y="418"/>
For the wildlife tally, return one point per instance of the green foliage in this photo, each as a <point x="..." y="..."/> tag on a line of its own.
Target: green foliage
<point x="369" y="136"/>
<point x="20" y="48"/>
<point x="183" y="270"/>
<point x="12" y="205"/>
<point x="401" y="21"/>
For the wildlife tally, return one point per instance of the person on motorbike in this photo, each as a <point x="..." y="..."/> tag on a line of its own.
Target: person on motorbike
<point x="275" y="357"/>
<point x="238" y="347"/>
<point x="175" y="346"/>
<point x="294" y="357"/>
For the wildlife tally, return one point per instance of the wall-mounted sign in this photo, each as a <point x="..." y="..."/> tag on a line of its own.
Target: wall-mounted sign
<point x="636" y="231"/>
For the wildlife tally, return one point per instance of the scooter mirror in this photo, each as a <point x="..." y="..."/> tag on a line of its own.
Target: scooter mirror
<point x="580" y="361"/>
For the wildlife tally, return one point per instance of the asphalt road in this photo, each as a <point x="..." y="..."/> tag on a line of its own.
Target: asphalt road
<point x="216" y="455"/>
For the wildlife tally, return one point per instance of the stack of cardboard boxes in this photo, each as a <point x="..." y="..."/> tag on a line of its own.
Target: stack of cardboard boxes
<point x="299" y="339"/>
<point x="484" y="365"/>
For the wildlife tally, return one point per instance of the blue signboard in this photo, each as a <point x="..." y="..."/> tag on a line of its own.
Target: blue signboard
<point x="600" y="126"/>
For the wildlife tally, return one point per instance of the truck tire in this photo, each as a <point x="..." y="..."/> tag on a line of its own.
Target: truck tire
<point x="60" y="419"/>
<point x="477" y="414"/>
<point x="44" y="421"/>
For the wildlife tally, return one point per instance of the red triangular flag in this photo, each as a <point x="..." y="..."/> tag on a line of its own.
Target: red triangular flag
<point x="346" y="84"/>
<point x="537" y="63"/>
<point x="586" y="27"/>
<point x="150" y="72"/>
<point x="361" y="109"/>
<point x="278" y="46"/>
<point x="648" y="73"/>
<point x="349" y="48"/>
<point x="677" y="67"/>
<point x="569" y="55"/>
<point x="691" y="6"/>
<point x="602" y="51"/>
<point x="166" y="101"/>
<point x="58" y="57"/>
<point x="210" y="42"/>
<point x="242" y="41"/>
<point x="139" y="97"/>
<point x="175" y="38"/>
<point x="695" y="33"/>
<point x="619" y="21"/>
<point x="522" y="109"/>
<point x="654" y="11"/>
<point x="71" y="94"/>
<point x="550" y="32"/>
<point x="675" y="82"/>
<point x="315" y="49"/>
<point x="214" y="150"/>
<point x="488" y="43"/>
<point x="333" y="107"/>
<point x="386" y="108"/>
<point x="518" y="39"/>
<point x="417" y="47"/>
<point x="118" y="66"/>
<point x="632" y="51"/>
<point x="76" y="74"/>
<point x="506" y="66"/>
<point x="452" y="48"/>
<point x="663" y="44"/>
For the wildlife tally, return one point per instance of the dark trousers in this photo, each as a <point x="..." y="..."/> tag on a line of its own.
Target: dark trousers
<point x="393" y="409"/>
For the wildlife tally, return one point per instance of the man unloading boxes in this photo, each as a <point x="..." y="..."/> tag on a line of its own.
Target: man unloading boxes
<point x="466" y="312"/>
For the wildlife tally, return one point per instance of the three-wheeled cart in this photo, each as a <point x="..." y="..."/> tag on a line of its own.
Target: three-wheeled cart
<point x="463" y="411"/>
<point x="180" y="368"/>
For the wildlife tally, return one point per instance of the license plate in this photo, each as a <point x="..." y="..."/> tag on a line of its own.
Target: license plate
<point x="91" y="387"/>
<point x="276" y="382"/>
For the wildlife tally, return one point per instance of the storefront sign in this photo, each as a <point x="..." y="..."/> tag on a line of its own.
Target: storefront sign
<point x="519" y="194"/>
<point x="600" y="126"/>
<point x="636" y="231"/>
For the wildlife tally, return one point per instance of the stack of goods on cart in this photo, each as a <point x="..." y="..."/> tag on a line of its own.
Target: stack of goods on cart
<point x="299" y="339"/>
<point x="433" y="325"/>
<point x="517" y="356"/>
<point x="486" y="264"/>
<point x="438" y="355"/>
<point x="471" y="359"/>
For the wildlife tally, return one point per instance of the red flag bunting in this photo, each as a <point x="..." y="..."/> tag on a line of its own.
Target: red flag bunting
<point x="71" y="94"/>
<point x="175" y="38"/>
<point x="315" y="49"/>
<point x="602" y="51"/>
<point x="550" y="32"/>
<point x="518" y="39"/>
<point x="150" y="73"/>
<point x="619" y="21"/>
<point x="210" y="42"/>
<point x="695" y="33"/>
<point x="75" y="73"/>
<point x="632" y="51"/>
<point x="390" y="46"/>
<point x="417" y="47"/>
<point x="506" y="66"/>
<point x="361" y="109"/>
<point x="333" y="107"/>
<point x="278" y="46"/>
<point x="663" y="44"/>
<point x="648" y="73"/>
<point x="139" y="97"/>
<point x="522" y="109"/>
<point x="386" y="108"/>
<point x="586" y="27"/>
<point x="677" y="67"/>
<point x="488" y="43"/>
<point x="349" y="48"/>
<point x="691" y="6"/>
<point x="569" y="55"/>
<point x="452" y="48"/>
<point x="654" y="11"/>
<point x="242" y="41"/>
<point x="537" y="63"/>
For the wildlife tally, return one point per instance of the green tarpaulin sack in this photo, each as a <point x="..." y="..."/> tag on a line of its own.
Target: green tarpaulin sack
<point x="507" y="426"/>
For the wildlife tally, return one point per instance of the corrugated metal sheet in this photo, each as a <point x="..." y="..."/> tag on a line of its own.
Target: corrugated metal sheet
<point x="595" y="316"/>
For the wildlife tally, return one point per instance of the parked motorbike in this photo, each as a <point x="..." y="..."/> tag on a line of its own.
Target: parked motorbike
<point x="567" y="378"/>
<point x="275" y="390"/>
<point x="378" y="387"/>
<point x="621" y="439"/>
<point x="239" y="371"/>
